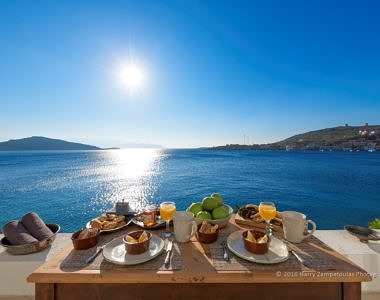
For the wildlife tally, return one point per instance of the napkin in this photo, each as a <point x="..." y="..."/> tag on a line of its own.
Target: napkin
<point x="17" y="234"/>
<point x="36" y="226"/>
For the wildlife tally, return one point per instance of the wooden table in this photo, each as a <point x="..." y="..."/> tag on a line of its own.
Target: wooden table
<point x="197" y="279"/>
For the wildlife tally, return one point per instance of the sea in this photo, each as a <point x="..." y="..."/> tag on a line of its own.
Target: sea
<point x="72" y="187"/>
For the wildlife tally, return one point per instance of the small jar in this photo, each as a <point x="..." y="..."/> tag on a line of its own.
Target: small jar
<point x="149" y="216"/>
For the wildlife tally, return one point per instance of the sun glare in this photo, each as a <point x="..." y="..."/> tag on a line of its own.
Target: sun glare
<point x="133" y="77"/>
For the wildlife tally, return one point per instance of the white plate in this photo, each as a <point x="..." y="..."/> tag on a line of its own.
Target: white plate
<point x="159" y="223"/>
<point x="88" y="225"/>
<point x="278" y="252"/>
<point x="114" y="252"/>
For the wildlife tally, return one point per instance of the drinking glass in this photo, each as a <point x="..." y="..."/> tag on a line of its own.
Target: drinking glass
<point x="167" y="210"/>
<point x="267" y="211"/>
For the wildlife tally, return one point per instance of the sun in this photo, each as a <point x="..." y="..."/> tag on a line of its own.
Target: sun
<point x="133" y="77"/>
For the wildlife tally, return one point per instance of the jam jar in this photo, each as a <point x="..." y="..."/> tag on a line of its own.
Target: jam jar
<point x="149" y="216"/>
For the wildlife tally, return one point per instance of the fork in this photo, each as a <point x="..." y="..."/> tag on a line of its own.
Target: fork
<point x="226" y="255"/>
<point x="169" y="251"/>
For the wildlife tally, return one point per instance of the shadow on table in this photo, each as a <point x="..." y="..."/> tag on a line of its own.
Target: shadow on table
<point x="73" y="263"/>
<point x="209" y="249"/>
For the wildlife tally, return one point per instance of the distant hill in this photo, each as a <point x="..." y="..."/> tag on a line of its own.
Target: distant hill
<point x="342" y="138"/>
<point x="42" y="143"/>
<point x="335" y="135"/>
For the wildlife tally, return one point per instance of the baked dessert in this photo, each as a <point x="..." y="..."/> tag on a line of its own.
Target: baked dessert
<point x="108" y="222"/>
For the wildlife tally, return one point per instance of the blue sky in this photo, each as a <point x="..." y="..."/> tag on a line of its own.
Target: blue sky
<point x="214" y="70"/>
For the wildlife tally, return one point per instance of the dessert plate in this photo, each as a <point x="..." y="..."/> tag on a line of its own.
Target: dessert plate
<point x="88" y="225"/>
<point x="128" y="221"/>
<point x="278" y="252"/>
<point x="115" y="252"/>
<point x="159" y="223"/>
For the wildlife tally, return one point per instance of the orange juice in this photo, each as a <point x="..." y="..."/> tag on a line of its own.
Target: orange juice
<point x="267" y="212"/>
<point x="167" y="211"/>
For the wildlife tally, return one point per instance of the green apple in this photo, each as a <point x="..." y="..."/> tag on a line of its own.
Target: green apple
<point x="220" y="212"/>
<point x="204" y="215"/>
<point x="218" y="197"/>
<point x="196" y="208"/>
<point x="209" y="203"/>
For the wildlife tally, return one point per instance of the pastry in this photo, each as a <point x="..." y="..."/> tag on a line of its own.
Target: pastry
<point x="95" y="223"/>
<point x="108" y="221"/>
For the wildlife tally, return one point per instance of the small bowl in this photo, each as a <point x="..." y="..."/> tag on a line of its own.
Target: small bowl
<point x="255" y="248"/>
<point x="137" y="248"/>
<point x="82" y="244"/>
<point x="207" y="238"/>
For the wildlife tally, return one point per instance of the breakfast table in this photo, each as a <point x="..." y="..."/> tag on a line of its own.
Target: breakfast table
<point x="199" y="271"/>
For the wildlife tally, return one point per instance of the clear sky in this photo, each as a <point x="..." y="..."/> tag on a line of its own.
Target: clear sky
<point x="211" y="71"/>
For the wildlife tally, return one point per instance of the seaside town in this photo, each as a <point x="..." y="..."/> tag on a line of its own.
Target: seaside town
<point x="342" y="138"/>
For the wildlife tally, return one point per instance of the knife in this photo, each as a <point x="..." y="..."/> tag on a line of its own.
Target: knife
<point x="168" y="252"/>
<point x="302" y="261"/>
<point x="91" y="258"/>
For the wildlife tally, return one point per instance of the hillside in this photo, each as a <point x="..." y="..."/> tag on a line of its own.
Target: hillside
<point x="342" y="138"/>
<point x="42" y="143"/>
<point x="334" y="135"/>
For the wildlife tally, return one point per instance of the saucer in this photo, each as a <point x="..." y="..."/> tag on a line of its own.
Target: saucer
<point x="159" y="223"/>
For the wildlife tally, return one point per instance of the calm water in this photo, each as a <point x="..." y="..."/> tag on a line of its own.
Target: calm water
<point x="70" y="188"/>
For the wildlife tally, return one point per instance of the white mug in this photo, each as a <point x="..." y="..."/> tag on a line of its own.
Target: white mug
<point x="294" y="224"/>
<point x="184" y="226"/>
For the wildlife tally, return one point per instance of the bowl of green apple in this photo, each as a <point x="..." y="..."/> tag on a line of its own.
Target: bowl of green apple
<point x="211" y="209"/>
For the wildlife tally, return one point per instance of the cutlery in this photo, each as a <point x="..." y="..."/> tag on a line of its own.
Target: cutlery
<point x="226" y="255"/>
<point x="302" y="261"/>
<point x="131" y="219"/>
<point x="91" y="258"/>
<point x="168" y="253"/>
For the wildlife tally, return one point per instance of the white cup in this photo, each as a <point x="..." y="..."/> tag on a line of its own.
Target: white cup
<point x="184" y="226"/>
<point x="295" y="224"/>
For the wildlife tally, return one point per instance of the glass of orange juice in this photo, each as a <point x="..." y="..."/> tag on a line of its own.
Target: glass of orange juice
<point x="267" y="211"/>
<point x="167" y="210"/>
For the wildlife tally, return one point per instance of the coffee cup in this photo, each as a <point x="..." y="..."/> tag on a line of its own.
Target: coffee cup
<point x="184" y="226"/>
<point x="295" y="224"/>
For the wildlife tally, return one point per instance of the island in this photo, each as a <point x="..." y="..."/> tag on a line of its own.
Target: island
<point x="43" y="143"/>
<point x="341" y="138"/>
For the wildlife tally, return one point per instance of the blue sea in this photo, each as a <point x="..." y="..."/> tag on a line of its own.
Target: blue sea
<point x="72" y="187"/>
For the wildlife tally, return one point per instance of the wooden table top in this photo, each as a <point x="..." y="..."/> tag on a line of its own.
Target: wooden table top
<point x="197" y="268"/>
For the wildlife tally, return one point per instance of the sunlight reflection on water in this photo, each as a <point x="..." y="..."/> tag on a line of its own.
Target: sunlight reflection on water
<point x="72" y="187"/>
<point x="129" y="174"/>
